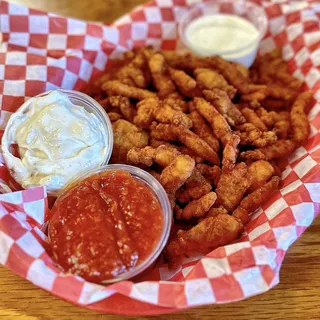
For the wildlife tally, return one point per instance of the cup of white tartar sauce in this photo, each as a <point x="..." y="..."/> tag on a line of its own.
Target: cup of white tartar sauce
<point x="57" y="135"/>
<point x="231" y="29"/>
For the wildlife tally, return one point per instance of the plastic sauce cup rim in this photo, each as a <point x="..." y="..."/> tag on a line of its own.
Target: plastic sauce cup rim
<point x="162" y="197"/>
<point x="262" y="30"/>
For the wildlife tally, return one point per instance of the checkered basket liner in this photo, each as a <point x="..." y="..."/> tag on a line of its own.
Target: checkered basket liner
<point x="42" y="51"/>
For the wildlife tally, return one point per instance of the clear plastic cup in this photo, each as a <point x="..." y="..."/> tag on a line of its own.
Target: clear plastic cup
<point x="154" y="185"/>
<point x="76" y="98"/>
<point x="251" y="12"/>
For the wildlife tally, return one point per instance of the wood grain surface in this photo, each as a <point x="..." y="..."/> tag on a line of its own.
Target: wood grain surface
<point x="297" y="295"/>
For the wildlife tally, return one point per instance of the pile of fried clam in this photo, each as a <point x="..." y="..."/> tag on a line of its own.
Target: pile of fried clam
<point x="209" y="130"/>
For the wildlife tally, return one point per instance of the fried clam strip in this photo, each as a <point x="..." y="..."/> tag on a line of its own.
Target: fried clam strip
<point x="126" y="108"/>
<point x="232" y="186"/>
<point x="176" y="101"/>
<point x="210" y="79"/>
<point x="190" y="153"/>
<point x="210" y="233"/>
<point x="255" y="199"/>
<point x="145" y="113"/>
<point x="282" y="129"/>
<point x="220" y="100"/>
<point x="257" y="138"/>
<point x="268" y="118"/>
<point x="163" y="155"/>
<point x="271" y="66"/>
<point x="134" y="73"/>
<point x="152" y="109"/>
<point x="203" y="130"/>
<point x="160" y="78"/>
<point x="126" y="136"/>
<point x="213" y="212"/>
<point x="212" y="174"/>
<point x="273" y="91"/>
<point x="299" y="120"/>
<point x="194" y="188"/>
<point x="230" y="151"/>
<point x="253" y="118"/>
<point x="261" y="171"/>
<point x="188" y="138"/>
<point x="217" y="122"/>
<point x="166" y="114"/>
<point x="197" y="208"/>
<point x="176" y="173"/>
<point x="186" y="84"/>
<point x="230" y="72"/>
<point x="280" y="92"/>
<point x="116" y="88"/>
<point x="114" y="116"/>
<point x="280" y="148"/>
<point x="182" y="149"/>
<point x="185" y="61"/>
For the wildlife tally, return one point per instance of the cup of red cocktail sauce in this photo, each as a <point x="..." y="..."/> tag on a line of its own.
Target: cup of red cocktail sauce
<point x="110" y="224"/>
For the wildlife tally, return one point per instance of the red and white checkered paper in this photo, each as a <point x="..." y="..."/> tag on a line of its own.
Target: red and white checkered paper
<point x="42" y="51"/>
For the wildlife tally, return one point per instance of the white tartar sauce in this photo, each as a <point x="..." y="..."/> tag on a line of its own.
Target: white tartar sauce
<point x="56" y="141"/>
<point x="217" y="33"/>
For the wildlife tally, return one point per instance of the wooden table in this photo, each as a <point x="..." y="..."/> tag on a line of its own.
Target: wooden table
<point x="296" y="296"/>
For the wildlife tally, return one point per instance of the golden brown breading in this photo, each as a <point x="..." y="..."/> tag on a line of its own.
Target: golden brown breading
<point x="210" y="233"/>
<point x="279" y="149"/>
<point x="198" y="208"/>
<point x="166" y="114"/>
<point x="194" y="188"/>
<point x="203" y="130"/>
<point x="217" y="122"/>
<point x="163" y="155"/>
<point x="191" y="140"/>
<point x="134" y="73"/>
<point x="212" y="174"/>
<point x="143" y="156"/>
<point x="232" y="186"/>
<point x="282" y="129"/>
<point x="280" y="92"/>
<point x="176" y="173"/>
<point x="213" y="212"/>
<point x="255" y="199"/>
<point x="186" y="84"/>
<point x="184" y="61"/>
<point x="261" y="171"/>
<point x="116" y="88"/>
<point x="299" y="120"/>
<point x="210" y="79"/>
<point x="114" y="116"/>
<point x="253" y="118"/>
<point x="258" y="138"/>
<point x="176" y="101"/>
<point x="126" y="136"/>
<point x="220" y="100"/>
<point x="230" y="72"/>
<point x="230" y="151"/>
<point x="160" y="78"/>
<point x="268" y="118"/>
<point x="145" y="114"/>
<point x="126" y="108"/>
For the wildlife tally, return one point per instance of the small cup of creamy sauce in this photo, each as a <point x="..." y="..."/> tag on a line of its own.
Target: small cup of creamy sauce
<point x="56" y="136"/>
<point x="231" y="29"/>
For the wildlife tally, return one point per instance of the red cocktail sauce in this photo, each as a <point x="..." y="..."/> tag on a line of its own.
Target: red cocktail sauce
<point x="105" y="225"/>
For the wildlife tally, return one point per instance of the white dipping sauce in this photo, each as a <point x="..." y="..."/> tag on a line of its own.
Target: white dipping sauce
<point x="214" y="34"/>
<point x="56" y="140"/>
